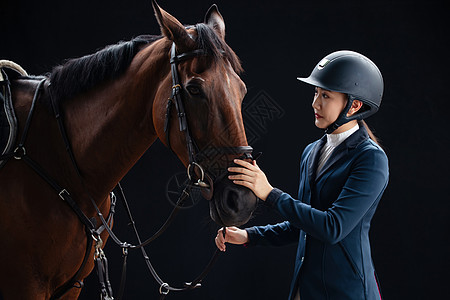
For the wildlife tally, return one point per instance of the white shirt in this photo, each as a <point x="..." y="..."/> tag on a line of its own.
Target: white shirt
<point x="333" y="140"/>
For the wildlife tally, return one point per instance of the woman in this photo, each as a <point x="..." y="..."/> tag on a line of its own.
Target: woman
<point x="342" y="178"/>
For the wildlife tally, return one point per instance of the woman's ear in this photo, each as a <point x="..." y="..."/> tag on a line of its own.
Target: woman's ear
<point x="356" y="106"/>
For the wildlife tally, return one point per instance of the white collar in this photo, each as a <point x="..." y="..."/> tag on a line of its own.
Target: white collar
<point x="335" y="139"/>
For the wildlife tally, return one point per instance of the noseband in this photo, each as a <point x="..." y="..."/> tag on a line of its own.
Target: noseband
<point x="192" y="147"/>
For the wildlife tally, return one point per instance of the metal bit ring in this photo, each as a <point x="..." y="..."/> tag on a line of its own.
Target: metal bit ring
<point x="201" y="181"/>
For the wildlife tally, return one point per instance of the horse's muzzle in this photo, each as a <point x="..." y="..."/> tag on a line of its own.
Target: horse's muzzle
<point x="231" y="204"/>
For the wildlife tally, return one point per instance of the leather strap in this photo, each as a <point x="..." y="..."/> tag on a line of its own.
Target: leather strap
<point x="21" y="154"/>
<point x="176" y="96"/>
<point x="177" y="99"/>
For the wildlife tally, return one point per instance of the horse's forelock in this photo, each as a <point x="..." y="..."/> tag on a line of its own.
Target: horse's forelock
<point x="212" y="44"/>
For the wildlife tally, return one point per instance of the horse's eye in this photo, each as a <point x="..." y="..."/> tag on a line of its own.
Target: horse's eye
<point x="193" y="90"/>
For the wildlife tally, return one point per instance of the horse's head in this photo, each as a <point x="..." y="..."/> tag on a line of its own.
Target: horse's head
<point x="197" y="111"/>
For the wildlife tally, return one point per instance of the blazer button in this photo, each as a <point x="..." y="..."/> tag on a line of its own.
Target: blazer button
<point x="303" y="258"/>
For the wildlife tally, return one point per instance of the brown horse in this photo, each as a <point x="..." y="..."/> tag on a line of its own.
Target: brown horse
<point x="113" y="104"/>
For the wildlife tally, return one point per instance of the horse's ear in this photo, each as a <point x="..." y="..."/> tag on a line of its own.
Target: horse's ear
<point x="172" y="28"/>
<point x="214" y="19"/>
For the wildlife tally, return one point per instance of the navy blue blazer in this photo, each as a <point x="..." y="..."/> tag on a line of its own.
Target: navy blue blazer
<point x="330" y="220"/>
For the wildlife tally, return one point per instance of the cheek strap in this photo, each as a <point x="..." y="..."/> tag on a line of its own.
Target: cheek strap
<point x="360" y="115"/>
<point x="342" y="118"/>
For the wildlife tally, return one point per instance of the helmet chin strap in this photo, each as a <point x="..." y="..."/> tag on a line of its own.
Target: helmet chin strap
<point x="342" y="118"/>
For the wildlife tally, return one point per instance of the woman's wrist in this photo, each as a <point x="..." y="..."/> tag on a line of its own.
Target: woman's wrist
<point x="266" y="192"/>
<point x="247" y="239"/>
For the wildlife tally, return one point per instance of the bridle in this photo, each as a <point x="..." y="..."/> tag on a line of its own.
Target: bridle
<point x="194" y="180"/>
<point x="193" y="154"/>
<point x="192" y="148"/>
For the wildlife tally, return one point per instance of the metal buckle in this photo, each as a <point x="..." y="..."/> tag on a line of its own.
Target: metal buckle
<point x="113" y="198"/>
<point x="98" y="247"/>
<point x="64" y="191"/>
<point x="125" y="247"/>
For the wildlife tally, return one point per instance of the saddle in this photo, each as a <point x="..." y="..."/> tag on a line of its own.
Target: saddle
<point x="8" y="120"/>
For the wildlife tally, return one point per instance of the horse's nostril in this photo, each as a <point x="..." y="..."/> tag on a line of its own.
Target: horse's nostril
<point x="232" y="201"/>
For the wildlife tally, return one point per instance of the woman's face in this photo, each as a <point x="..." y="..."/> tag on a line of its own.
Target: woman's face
<point x="327" y="106"/>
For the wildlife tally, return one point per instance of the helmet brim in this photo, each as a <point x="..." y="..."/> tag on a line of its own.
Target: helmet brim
<point x="312" y="82"/>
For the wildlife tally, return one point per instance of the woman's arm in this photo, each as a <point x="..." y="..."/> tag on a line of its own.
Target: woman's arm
<point x="272" y="235"/>
<point x="362" y="189"/>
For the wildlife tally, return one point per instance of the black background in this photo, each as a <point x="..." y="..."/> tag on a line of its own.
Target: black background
<point x="278" y="41"/>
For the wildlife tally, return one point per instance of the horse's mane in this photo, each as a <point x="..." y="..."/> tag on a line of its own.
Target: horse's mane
<point x="79" y="75"/>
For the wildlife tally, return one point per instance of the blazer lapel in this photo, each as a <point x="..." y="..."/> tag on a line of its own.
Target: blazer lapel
<point x="342" y="150"/>
<point x="314" y="159"/>
<point x="337" y="154"/>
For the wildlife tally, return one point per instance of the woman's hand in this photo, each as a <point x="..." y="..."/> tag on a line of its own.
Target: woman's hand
<point x="252" y="177"/>
<point x="233" y="235"/>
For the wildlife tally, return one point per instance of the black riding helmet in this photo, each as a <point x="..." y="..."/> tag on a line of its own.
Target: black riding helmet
<point x="353" y="74"/>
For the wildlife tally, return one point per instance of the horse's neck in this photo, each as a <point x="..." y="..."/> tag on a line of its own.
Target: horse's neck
<point x="111" y="127"/>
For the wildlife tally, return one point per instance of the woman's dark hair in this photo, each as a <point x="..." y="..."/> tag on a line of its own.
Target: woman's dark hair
<point x="369" y="131"/>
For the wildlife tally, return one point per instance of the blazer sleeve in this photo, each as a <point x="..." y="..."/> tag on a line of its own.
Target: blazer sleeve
<point x="273" y="235"/>
<point x="279" y="234"/>
<point x="362" y="189"/>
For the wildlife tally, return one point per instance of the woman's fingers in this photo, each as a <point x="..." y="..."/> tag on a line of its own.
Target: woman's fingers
<point x="241" y="177"/>
<point x="232" y="235"/>
<point x="250" y="169"/>
<point x="252" y="177"/>
<point x="247" y="184"/>
<point x="241" y="170"/>
<point x="220" y="242"/>
<point x="244" y="164"/>
<point x="232" y="229"/>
